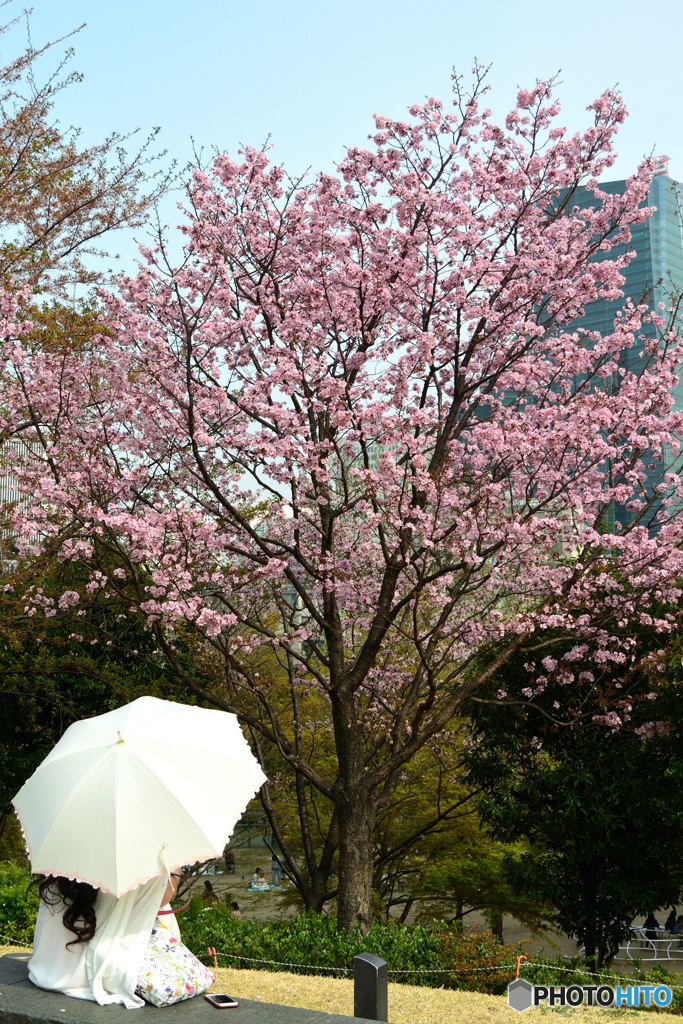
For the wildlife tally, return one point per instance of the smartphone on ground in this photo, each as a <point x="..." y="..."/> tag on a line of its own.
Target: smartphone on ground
<point x="221" y="1000"/>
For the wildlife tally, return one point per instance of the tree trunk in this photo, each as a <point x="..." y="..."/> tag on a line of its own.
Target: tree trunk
<point x="591" y="937"/>
<point x="496" y="924"/>
<point x="356" y="813"/>
<point x="591" y="951"/>
<point x="317" y="894"/>
<point x="311" y="877"/>
<point x="406" y="910"/>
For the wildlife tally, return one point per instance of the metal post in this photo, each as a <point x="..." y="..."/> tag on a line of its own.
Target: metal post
<point x="370" y="993"/>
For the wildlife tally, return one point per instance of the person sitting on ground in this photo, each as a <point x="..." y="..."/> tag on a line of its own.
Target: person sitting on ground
<point x="651" y="923"/>
<point x="209" y="893"/>
<point x="90" y="944"/>
<point x="258" y="879"/>
<point x="670" y="924"/>
<point x="235" y="908"/>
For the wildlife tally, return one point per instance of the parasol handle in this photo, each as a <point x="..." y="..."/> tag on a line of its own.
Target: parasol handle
<point x="177" y="909"/>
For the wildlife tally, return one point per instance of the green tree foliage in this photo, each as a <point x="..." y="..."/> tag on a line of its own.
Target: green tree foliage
<point x="12" y="849"/>
<point x="467" y="874"/>
<point x="433" y="858"/>
<point x="81" y="660"/>
<point x="597" y="795"/>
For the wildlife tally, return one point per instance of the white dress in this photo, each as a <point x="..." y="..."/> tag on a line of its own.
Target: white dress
<point x="104" y="970"/>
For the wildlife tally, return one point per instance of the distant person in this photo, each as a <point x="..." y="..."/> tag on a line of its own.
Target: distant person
<point x="275" y="871"/>
<point x="651" y="923"/>
<point x="671" y="925"/>
<point x="235" y="908"/>
<point x="230" y="862"/>
<point x="258" y="879"/>
<point x="209" y="894"/>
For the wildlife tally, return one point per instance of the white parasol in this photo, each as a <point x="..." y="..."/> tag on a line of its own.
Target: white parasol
<point x="136" y="792"/>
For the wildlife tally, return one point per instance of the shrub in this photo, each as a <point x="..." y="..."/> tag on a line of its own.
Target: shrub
<point x="311" y="939"/>
<point x="11" y="840"/>
<point x="479" y="963"/>
<point x="18" y="904"/>
<point x="415" y="955"/>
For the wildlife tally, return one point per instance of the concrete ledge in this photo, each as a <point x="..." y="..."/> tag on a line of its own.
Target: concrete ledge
<point x="22" y="1003"/>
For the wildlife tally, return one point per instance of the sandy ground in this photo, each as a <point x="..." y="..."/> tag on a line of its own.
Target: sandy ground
<point x="259" y="906"/>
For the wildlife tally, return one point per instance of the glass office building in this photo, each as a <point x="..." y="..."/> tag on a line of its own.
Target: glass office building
<point x="656" y="272"/>
<point x="654" y="275"/>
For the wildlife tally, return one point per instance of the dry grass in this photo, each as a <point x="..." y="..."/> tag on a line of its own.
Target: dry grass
<point x="408" y="1004"/>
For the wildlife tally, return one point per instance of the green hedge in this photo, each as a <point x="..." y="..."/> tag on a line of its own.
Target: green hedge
<point x="312" y="943"/>
<point x="309" y="939"/>
<point x="18" y="904"/>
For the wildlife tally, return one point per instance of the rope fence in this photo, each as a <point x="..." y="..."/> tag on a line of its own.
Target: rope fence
<point x="275" y="963"/>
<point x="349" y="970"/>
<point x="215" y="954"/>
<point x="14" y="942"/>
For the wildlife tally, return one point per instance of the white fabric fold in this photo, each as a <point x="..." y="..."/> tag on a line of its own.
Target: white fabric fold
<point x="106" y="969"/>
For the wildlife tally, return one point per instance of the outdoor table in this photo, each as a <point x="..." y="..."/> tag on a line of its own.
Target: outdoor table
<point x="22" y="1003"/>
<point x="639" y="946"/>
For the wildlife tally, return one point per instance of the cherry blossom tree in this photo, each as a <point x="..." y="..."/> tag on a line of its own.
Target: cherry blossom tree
<point x="357" y="445"/>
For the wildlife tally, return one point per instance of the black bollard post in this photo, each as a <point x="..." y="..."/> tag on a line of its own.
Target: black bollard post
<point x="370" y="993"/>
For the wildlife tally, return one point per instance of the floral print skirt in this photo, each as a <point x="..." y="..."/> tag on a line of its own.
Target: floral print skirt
<point x="170" y="971"/>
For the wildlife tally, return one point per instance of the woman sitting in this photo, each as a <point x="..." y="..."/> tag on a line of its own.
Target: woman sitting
<point x="91" y="944"/>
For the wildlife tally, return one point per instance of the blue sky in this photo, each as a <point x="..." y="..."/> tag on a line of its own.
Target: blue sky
<point x="310" y="74"/>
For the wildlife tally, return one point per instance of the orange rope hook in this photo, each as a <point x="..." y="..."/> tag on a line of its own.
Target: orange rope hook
<point x="519" y="961"/>
<point x="212" y="952"/>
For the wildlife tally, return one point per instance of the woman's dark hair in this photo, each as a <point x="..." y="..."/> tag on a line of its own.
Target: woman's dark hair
<point x="79" y="905"/>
